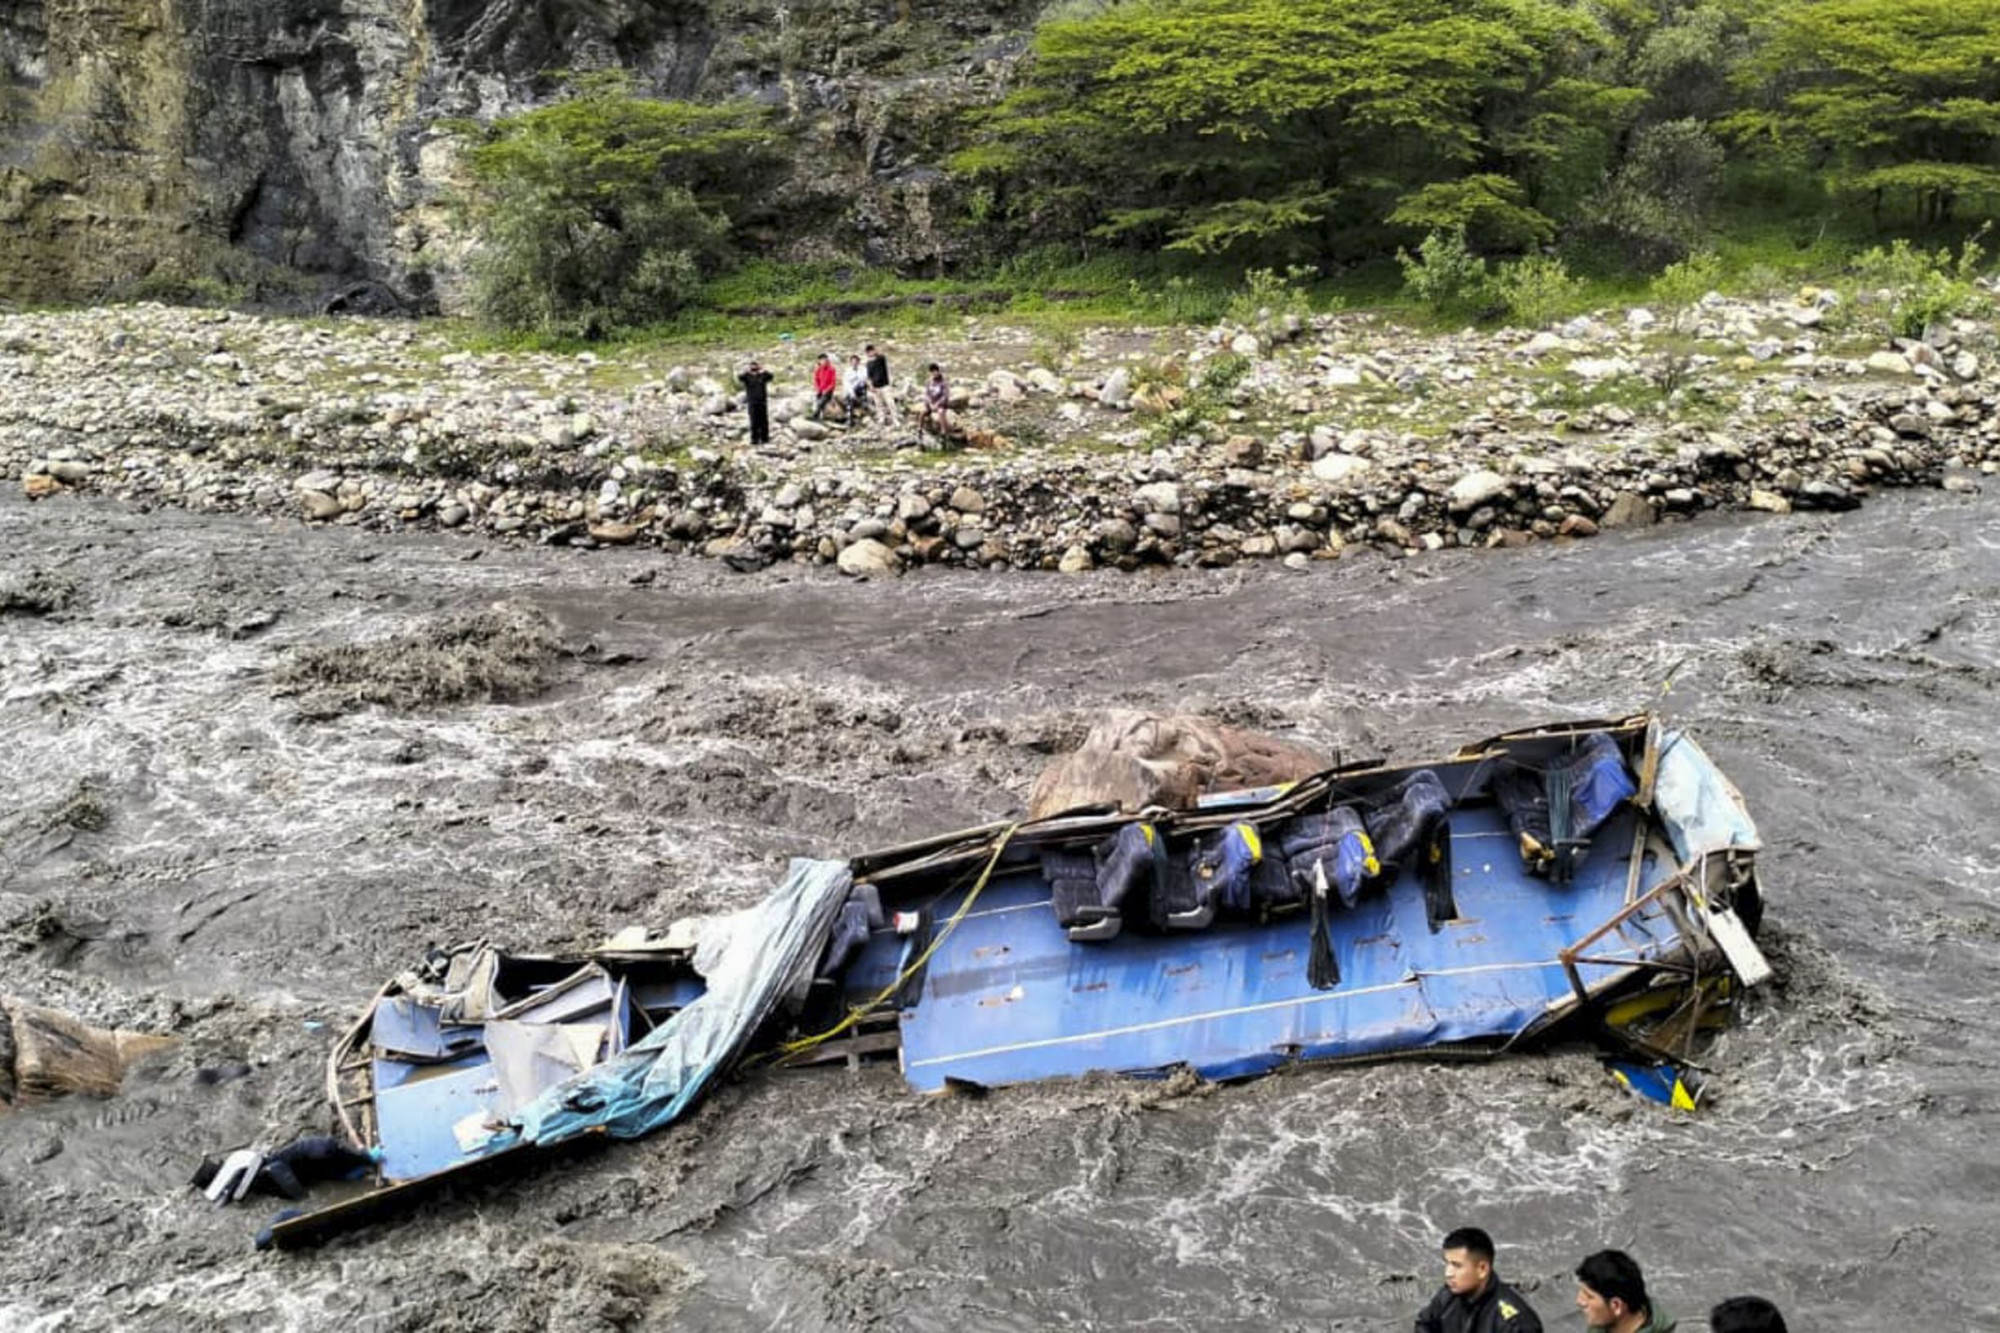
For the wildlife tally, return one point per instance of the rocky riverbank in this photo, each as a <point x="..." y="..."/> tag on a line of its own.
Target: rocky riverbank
<point x="1290" y="439"/>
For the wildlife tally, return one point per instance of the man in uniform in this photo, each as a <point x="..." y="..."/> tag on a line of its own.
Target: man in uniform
<point x="1611" y="1292"/>
<point x="1473" y="1298"/>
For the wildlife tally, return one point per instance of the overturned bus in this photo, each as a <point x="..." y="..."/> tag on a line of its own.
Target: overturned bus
<point x="1582" y="881"/>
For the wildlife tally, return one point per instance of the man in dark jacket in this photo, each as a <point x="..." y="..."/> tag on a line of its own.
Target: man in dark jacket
<point x="288" y="1172"/>
<point x="878" y="383"/>
<point x="1611" y="1292"/>
<point x="756" y="383"/>
<point x="1473" y="1298"/>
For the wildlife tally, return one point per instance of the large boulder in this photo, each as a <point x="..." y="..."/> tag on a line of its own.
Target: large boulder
<point x="1629" y="511"/>
<point x="1476" y="490"/>
<point x="1132" y="760"/>
<point x="869" y="559"/>
<point x="1339" y="467"/>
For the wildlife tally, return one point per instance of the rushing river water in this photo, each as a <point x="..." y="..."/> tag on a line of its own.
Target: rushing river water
<point x="248" y="875"/>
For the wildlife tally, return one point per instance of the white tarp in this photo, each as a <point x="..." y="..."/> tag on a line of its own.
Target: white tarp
<point x="1701" y="809"/>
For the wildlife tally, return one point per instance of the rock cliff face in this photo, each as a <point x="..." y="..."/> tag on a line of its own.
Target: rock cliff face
<point x="296" y="146"/>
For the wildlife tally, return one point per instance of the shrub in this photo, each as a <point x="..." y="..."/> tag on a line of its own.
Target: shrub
<point x="1536" y="290"/>
<point x="1681" y="285"/>
<point x="1925" y="287"/>
<point x="1224" y="372"/>
<point x="1445" y="276"/>
<point x="1193" y="417"/>
<point x="1055" y="348"/>
<point x="1676" y="292"/>
<point x="555" y="267"/>
<point x="1267" y="294"/>
<point x="1164" y="372"/>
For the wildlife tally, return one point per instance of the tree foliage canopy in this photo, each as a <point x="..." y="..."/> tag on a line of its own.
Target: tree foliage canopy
<point x="1324" y="129"/>
<point x="1226" y="125"/>
<point x="607" y="210"/>
<point x="1884" y="96"/>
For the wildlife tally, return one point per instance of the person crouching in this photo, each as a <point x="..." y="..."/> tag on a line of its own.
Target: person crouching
<point x="826" y="381"/>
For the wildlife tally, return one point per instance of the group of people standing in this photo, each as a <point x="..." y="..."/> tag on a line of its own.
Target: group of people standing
<point x="865" y="389"/>
<point x="1610" y="1291"/>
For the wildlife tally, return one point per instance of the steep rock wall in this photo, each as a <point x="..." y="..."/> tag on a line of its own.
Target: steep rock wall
<point x="289" y="146"/>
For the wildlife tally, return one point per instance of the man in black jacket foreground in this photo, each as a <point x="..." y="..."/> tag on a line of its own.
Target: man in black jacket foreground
<point x="1473" y="1298"/>
<point x="756" y="383"/>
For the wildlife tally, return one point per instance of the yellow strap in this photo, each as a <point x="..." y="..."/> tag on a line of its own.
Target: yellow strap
<point x="857" y="1012"/>
<point x="1252" y="841"/>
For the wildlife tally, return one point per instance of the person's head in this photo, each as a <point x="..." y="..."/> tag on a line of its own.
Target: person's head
<point x="822" y="358"/>
<point x="1468" y="1260"/>
<point x="870" y="349"/>
<point x="937" y="371"/>
<point x="1746" y="1314"/>
<point x="756" y="366"/>
<point x="1609" y="1287"/>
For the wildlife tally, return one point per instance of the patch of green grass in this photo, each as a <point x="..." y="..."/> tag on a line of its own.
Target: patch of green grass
<point x="621" y="373"/>
<point x="1567" y="393"/>
<point x="1090" y="444"/>
<point x="470" y="336"/>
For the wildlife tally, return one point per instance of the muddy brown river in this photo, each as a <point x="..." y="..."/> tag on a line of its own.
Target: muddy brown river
<point x="200" y="836"/>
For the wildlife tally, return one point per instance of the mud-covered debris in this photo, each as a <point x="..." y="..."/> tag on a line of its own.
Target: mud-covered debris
<point x="508" y="652"/>
<point x="219" y="615"/>
<point x="1133" y="759"/>
<point x="46" y="1053"/>
<point x="30" y="835"/>
<point x="38" y="592"/>
<point x="84" y="809"/>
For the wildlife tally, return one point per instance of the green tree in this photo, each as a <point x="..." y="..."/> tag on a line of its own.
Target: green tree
<point x="1655" y="206"/>
<point x="1884" y="98"/>
<point x="1684" y="56"/>
<point x="606" y="211"/>
<point x="1294" y="128"/>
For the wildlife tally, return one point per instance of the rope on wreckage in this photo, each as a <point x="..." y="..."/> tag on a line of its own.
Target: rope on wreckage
<point x="856" y="1013"/>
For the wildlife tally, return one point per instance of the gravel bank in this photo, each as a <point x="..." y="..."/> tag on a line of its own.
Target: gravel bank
<point x="1292" y="440"/>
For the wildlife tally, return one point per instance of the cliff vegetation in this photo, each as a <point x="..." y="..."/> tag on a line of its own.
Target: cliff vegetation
<point x="568" y="171"/>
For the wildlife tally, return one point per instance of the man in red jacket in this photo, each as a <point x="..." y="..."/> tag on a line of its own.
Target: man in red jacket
<point x="825" y="378"/>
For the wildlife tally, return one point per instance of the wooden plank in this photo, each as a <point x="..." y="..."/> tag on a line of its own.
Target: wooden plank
<point x="830" y="1052"/>
<point x="1649" y="766"/>
<point x="1641" y="828"/>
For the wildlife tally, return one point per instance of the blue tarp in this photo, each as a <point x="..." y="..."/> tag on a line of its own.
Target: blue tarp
<point x="751" y="960"/>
